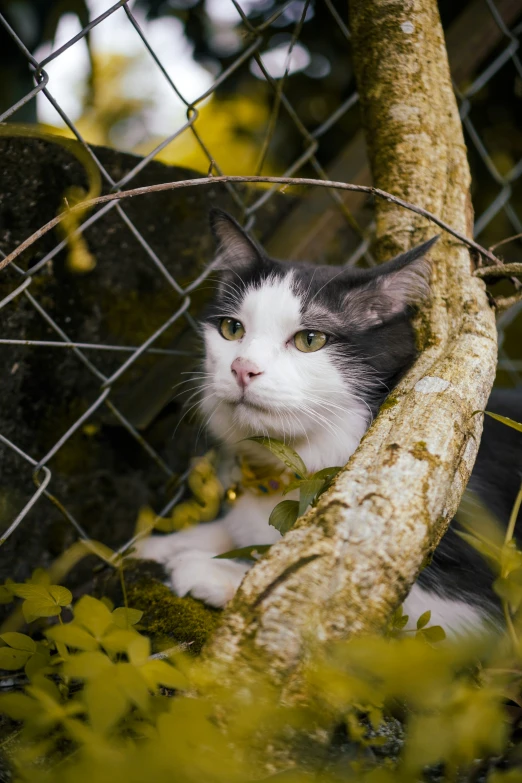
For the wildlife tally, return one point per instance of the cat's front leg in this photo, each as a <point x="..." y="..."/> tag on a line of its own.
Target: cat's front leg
<point x="207" y="537"/>
<point x="188" y="560"/>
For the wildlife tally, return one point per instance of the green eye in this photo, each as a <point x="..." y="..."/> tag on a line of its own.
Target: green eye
<point x="309" y="341"/>
<point x="231" y="329"/>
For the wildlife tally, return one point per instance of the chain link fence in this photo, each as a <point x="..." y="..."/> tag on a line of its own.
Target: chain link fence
<point x="495" y="59"/>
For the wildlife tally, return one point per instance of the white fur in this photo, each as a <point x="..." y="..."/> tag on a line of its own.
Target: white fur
<point x="301" y="398"/>
<point x="456" y="617"/>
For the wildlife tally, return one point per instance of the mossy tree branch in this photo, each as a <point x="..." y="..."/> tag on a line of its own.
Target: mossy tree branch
<point x="349" y="562"/>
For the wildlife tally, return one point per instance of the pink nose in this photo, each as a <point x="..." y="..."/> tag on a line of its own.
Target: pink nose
<point x="244" y="371"/>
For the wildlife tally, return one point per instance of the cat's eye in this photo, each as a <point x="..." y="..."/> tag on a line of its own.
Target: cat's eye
<point x="231" y="329"/>
<point x="308" y="341"/>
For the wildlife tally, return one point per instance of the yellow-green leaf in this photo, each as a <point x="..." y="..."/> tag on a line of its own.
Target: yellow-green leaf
<point x="105" y="702"/>
<point x="283" y="452"/>
<point x="12" y="660"/>
<point x="138" y="650"/>
<point x="504" y="419"/>
<point x="158" y="672"/>
<point x="119" y="639"/>
<point x="36" y="664"/>
<point x="19" y="641"/>
<point x="509" y="591"/>
<point x="6" y="595"/>
<point x="61" y="595"/>
<point x="124" y="618"/>
<point x="133" y="685"/>
<point x="17" y="706"/>
<point x="423" y="620"/>
<point x="35" y="608"/>
<point x="85" y="666"/>
<point x="435" y="633"/>
<point x="29" y="591"/>
<point x="93" y="615"/>
<point x="73" y="636"/>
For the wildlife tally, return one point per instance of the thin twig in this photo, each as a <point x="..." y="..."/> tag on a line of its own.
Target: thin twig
<point x="507" y="270"/>
<point x="505" y="241"/>
<point x="502" y="303"/>
<point x="187" y="183"/>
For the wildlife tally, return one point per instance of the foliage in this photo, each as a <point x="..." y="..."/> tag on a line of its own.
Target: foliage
<point x="98" y="702"/>
<point x="310" y="485"/>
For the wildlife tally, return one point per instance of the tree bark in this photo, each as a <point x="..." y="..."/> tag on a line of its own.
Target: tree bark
<point x="348" y="563"/>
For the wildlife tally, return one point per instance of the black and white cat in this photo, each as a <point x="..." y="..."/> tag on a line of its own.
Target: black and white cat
<point x="307" y="354"/>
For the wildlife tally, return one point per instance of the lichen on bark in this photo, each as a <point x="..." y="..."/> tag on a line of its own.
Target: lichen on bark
<point x="363" y="546"/>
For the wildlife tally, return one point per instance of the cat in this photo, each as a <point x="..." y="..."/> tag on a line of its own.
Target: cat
<point x="307" y="354"/>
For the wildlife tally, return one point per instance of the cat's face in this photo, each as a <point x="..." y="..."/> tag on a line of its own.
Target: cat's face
<point x="302" y="352"/>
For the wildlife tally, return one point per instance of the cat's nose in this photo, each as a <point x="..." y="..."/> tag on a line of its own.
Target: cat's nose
<point x="244" y="371"/>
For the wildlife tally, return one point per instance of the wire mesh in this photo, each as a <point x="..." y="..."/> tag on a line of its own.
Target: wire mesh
<point x="505" y="56"/>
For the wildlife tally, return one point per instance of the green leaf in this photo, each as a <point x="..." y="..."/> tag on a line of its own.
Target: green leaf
<point x="308" y="491"/>
<point x="124" y="618"/>
<point x="435" y="633"/>
<point x="12" y="659"/>
<point x="284" y="515"/>
<point x="73" y="636"/>
<point x="327" y="474"/>
<point x="293" y="485"/>
<point x="283" y="452"/>
<point x="253" y="552"/>
<point x="423" y="620"/>
<point x="19" y="641"/>
<point x="504" y="419"/>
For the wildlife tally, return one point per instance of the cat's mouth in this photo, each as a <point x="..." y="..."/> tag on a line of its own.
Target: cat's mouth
<point x="249" y="405"/>
<point x="246" y="404"/>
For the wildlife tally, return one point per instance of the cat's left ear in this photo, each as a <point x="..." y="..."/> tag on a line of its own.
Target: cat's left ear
<point x="237" y="251"/>
<point x="388" y="290"/>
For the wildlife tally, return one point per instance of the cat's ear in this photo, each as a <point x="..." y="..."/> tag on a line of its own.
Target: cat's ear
<point x="388" y="290"/>
<point x="237" y="252"/>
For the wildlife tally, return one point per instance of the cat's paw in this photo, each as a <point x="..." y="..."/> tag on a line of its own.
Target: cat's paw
<point x="157" y="548"/>
<point x="194" y="572"/>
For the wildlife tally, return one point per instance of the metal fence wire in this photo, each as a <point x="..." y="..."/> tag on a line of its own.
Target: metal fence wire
<point x="500" y="61"/>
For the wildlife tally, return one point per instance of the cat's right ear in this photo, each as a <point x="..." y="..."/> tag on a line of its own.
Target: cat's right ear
<point x="237" y="252"/>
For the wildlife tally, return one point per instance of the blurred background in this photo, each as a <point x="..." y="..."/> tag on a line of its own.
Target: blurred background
<point x="111" y="88"/>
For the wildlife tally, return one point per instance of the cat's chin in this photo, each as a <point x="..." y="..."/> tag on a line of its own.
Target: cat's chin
<point x="254" y="418"/>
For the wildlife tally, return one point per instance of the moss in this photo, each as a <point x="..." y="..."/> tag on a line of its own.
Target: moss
<point x="389" y="402"/>
<point x="167" y="617"/>
<point x="181" y="620"/>
<point x="420" y="451"/>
